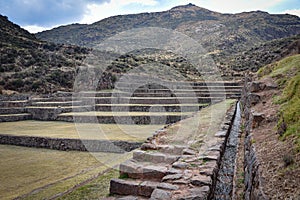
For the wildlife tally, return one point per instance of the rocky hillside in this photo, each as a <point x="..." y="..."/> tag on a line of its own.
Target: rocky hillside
<point x="222" y="35"/>
<point x="236" y="42"/>
<point x="264" y="54"/>
<point x="30" y="65"/>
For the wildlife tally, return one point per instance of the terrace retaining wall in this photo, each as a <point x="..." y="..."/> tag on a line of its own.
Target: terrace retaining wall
<point x="253" y="175"/>
<point x="70" y="144"/>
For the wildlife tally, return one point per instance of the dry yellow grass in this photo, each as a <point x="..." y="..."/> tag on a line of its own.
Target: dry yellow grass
<point x="82" y="130"/>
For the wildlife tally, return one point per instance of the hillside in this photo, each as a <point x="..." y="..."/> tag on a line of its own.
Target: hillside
<point x="222" y="35"/>
<point x="264" y="54"/>
<point x="274" y="133"/>
<point x="236" y="42"/>
<point x="30" y="65"/>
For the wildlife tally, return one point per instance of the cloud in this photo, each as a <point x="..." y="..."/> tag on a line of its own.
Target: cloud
<point x="36" y="28"/>
<point x="292" y="12"/>
<point x="37" y="15"/>
<point x="234" y="6"/>
<point x="45" y="12"/>
<point x="96" y="12"/>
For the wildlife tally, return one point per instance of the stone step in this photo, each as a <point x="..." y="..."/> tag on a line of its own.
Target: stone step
<point x="52" y="99"/>
<point x="137" y="83"/>
<point x="125" y="197"/>
<point x="132" y="187"/>
<point x="116" y="92"/>
<point x="154" y="157"/>
<point x="12" y="110"/>
<point x="56" y="103"/>
<point x="123" y="117"/>
<point x="167" y="149"/>
<point x="154" y="100"/>
<point x="187" y="94"/>
<point x="143" y="170"/>
<point x="197" y="90"/>
<point x="21" y="103"/>
<point x="150" y="108"/>
<point x="14" y="117"/>
<point x="176" y="87"/>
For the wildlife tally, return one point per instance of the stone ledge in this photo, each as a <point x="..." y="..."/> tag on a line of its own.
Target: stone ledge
<point x="70" y="144"/>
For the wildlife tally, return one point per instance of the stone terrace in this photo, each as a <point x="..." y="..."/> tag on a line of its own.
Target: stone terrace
<point x="169" y="166"/>
<point x="132" y="103"/>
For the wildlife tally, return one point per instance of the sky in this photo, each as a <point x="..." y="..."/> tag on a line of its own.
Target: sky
<point x="39" y="15"/>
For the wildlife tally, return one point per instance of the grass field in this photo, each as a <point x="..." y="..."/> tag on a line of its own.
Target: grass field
<point x="41" y="173"/>
<point x="82" y="130"/>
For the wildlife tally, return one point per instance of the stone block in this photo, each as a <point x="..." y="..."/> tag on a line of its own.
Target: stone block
<point x="180" y="165"/>
<point x="209" y="169"/>
<point x="174" y="171"/>
<point x="167" y="186"/>
<point x="131" y="168"/>
<point x="146" y="188"/>
<point x="189" y="152"/>
<point x="201" y="180"/>
<point x="148" y="146"/>
<point x="128" y="198"/>
<point x="124" y="187"/>
<point x="222" y="133"/>
<point x="172" y="177"/>
<point x="159" y="194"/>
<point x="154" y="172"/>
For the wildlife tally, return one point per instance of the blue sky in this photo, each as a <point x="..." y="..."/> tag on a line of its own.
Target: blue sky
<point x="38" y="15"/>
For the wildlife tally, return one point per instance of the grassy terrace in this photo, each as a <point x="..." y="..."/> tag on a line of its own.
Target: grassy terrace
<point x="41" y="173"/>
<point x="69" y="130"/>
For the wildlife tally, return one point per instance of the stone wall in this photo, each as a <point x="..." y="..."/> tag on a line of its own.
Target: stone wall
<point x="70" y="144"/>
<point x="253" y="174"/>
<point x="173" y="171"/>
<point x="45" y="113"/>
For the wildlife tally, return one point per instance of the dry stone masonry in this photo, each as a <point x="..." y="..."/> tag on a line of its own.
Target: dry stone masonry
<point x="172" y="171"/>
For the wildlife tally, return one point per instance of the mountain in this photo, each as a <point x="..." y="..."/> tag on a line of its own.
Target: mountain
<point x="222" y="35"/>
<point x="31" y="65"/>
<point x="49" y="61"/>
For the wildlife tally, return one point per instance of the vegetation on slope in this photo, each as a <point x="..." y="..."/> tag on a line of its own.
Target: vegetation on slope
<point x="224" y="36"/>
<point x="287" y="74"/>
<point x="29" y="65"/>
<point x="264" y="54"/>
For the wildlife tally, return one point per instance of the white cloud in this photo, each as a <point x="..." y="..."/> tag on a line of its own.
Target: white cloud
<point x="35" y="28"/>
<point x="233" y="6"/>
<point x="142" y="2"/>
<point x="96" y="12"/>
<point x="292" y="12"/>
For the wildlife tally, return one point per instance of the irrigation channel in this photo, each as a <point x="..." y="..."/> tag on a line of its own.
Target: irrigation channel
<point x="224" y="183"/>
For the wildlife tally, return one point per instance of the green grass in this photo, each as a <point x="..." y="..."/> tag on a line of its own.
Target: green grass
<point x="41" y="173"/>
<point x="96" y="189"/>
<point x="287" y="74"/>
<point x="82" y="130"/>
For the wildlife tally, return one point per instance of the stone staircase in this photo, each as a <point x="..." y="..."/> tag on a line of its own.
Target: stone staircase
<point x="14" y="110"/>
<point x="168" y="171"/>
